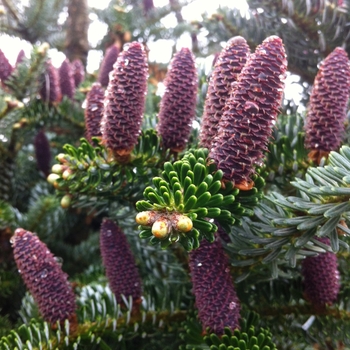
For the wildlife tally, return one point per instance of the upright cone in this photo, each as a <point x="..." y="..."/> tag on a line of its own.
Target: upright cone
<point x="94" y="111"/>
<point x="119" y="263"/>
<point x="178" y="105"/>
<point x="125" y="101"/>
<point x="216" y="298"/>
<point x="44" y="277"/>
<point x="324" y="127"/>
<point x="227" y="67"/>
<point x="321" y="278"/>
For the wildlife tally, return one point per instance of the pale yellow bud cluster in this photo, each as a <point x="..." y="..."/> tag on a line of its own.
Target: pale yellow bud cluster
<point x="60" y="171"/>
<point x="164" y="223"/>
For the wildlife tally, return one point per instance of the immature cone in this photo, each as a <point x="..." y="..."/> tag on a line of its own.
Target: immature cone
<point x="250" y="113"/>
<point x="148" y="6"/>
<point x="44" y="277"/>
<point x="125" y="100"/>
<point x="216" y="298"/>
<point x="5" y="67"/>
<point x="94" y="111"/>
<point x="178" y="105"/>
<point x="321" y="278"/>
<point x="228" y="65"/>
<point x="66" y="79"/>
<point x="78" y="72"/>
<point x="50" y="87"/>
<point x="20" y="57"/>
<point x="42" y="153"/>
<point x="119" y="262"/>
<point x="108" y="61"/>
<point x="324" y="127"/>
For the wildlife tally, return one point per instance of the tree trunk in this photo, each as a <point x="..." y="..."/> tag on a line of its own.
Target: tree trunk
<point x="77" y="45"/>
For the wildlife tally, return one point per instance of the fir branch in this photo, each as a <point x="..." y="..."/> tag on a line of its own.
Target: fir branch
<point x="24" y="80"/>
<point x="100" y="319"/>
<point x="87" y="172"/>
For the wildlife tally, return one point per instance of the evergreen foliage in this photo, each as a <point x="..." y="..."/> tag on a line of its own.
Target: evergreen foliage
<point x="196" y="219"/>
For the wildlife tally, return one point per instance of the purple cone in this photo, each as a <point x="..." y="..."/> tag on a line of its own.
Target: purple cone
<point x="216" y="298"/>
<point x="94" y="111"/>
<point x="178" y="105"/>
<point x="250" y="113"/>
<point x="326" y="115"/>
<point x="50" y="90"/>
<point x="119" y="262"/>
<point x="227" y="67"/>
<point x="321" y="277"/>
<point x="125" y="101"/>
<point x="66" y="78"/>
<point x="108" y="61"/>
<point x="44" y="277"/>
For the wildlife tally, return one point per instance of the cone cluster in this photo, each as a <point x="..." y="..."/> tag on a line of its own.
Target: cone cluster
<point x="250" y="113"/>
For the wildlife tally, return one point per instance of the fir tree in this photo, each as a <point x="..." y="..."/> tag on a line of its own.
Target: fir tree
<point x="214" y="216"/>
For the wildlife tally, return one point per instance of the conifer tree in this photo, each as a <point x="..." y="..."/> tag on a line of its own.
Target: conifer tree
<point x="213" y="216"/>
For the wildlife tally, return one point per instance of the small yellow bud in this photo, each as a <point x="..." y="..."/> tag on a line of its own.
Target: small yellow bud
<point x="145" y="218"/>
<point x="52" y="178"/>
<point x="161" y="228"/>
<point x="11" y="104"/>
<point x="57" y="169"/>
<point x="66" y="201"/>
<point x="184" y="224"/>
<point x="61" y="157"/>
<point x="66" y="173"/>
<point x="43" y="48"/>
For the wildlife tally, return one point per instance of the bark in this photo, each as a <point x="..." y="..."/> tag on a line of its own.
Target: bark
<point x="77" y="45"/>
